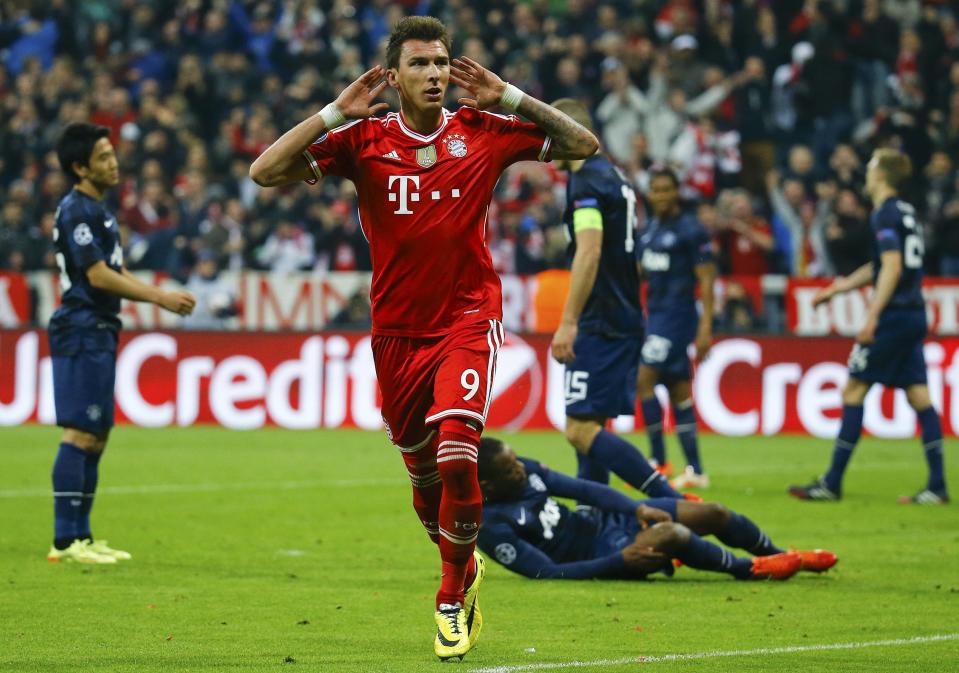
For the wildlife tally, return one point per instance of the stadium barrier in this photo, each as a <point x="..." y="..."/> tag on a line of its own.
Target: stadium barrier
<point x="308" y="301"/>
<point x="756" y="385"/>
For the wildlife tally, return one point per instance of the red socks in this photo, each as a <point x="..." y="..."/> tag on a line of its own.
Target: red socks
<point x="460" y="507"/>
<point x="427" y="487"/>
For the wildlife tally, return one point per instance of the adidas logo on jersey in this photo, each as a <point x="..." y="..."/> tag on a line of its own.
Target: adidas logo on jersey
<point x="392" y="155"/>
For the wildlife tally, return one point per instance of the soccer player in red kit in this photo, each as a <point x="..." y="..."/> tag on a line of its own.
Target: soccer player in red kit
<point x="424" y="178"/>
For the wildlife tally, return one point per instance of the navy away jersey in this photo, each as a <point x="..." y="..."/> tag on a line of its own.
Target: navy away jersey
<point x="537" y="536"/>
<point x="86" y="233"/>
<point x="895" y="227"/>
<point x="669" y="252"/>
<point x="613" y="306"/>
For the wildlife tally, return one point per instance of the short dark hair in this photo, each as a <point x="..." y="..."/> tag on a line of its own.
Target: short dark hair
<point x="75" y="145"/>
<point x="426" y="28"/>
<point x="663" y="171"/>
<point x="489" y="448"/>
<point x="896" y="167"/>
<point x="575" y="110"/>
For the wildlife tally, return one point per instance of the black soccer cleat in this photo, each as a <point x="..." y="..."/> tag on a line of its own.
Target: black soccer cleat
<point x="817" y="490"/>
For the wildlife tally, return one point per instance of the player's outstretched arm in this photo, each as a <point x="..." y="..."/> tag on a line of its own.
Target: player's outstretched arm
<point x="128" y="286"/>
<point x="570" y="139"/>
<point x="857" y="279"/>
<point x="706" y="275"/>
<point x="282" y="162"/>
<point x="890" y="270"/>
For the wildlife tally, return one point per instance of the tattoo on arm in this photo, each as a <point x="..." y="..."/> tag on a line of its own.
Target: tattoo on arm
<point x="570" y="139"/>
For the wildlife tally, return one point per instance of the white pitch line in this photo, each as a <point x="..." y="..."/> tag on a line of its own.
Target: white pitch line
<point x="714" y="655"/>
<point x="213" y="487"/>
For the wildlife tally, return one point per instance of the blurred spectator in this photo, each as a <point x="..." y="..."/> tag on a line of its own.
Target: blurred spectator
<point x="745" y="238"/>
<point x="215" y="300"/>
<point x="287" y="249"/>
<point x="755" y="124"/>
<point x="621" y="112"/>
<point x="738" y="315"/>
<point x="356" y="313"/>
<point x="843" y="219"/>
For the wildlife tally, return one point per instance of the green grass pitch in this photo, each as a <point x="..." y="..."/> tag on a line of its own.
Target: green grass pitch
<point x="299" y="551"/>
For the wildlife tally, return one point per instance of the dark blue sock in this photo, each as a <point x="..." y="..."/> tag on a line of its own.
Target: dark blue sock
<point x="90" y="474"/>
<point x="849" y="432"/>
<point x="653" y="418"/>
<point x="703" y="555"/>
<point x="67" y="493"/>
<point x="627" y="463"/>
<point x="685" y="416"/>
<point x="742" y="533"/>
<point x="590" y="470"/>
<point x="932" y="443"/>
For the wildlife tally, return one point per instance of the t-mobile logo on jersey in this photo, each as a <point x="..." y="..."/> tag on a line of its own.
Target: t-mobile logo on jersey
<point x="405" y="196"/>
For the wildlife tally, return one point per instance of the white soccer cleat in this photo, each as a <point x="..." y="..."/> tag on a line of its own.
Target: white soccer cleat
<point x="689" y="478"/>
<point x="78" y="552"/>
<point x="101" y="547"/>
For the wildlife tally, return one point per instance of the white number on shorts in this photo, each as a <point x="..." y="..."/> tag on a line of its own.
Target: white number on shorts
<point x="470" y="380"/>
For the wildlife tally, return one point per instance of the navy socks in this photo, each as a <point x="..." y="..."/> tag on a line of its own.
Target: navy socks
<point x="685" y="415"/>
<point x="590" y="470"/>
<point x="849" y="433"/>
<point x="703" y="555"/>
<point x="626" y="461"/>
<point x="742" y="533"/>
<point x="653" y="418"/>
<point x="932" y="445"/>
<point x="91" y="473"/>
<point x="68" y="476"/>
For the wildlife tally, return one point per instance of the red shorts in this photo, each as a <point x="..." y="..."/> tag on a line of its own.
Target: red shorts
<point x="424" y="380"/>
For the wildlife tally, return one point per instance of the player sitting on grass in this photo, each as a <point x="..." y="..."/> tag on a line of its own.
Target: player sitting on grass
<point x="532" y="534"/>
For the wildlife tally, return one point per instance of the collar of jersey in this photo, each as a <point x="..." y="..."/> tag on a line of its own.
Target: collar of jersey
<point x="419" y="136"/>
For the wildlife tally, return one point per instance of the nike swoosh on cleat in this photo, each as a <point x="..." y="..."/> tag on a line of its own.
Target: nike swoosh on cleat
<point x="444" y="641"/>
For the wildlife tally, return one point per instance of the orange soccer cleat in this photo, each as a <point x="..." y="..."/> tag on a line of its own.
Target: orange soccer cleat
<point x="666" y="469"/>
<point x="692" y="497"/>
<point x="817" y="560"/>
<point x="777" y="567"/>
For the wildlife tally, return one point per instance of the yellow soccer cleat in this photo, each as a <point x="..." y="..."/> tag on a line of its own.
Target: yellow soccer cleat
<point x="78" y="552"/>
<point x="474" y="618"/>
<point x="100" y="547"/>
<point x="451" y="639"/>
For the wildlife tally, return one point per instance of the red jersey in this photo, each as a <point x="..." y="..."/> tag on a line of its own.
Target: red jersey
<point x="423" y="202"/>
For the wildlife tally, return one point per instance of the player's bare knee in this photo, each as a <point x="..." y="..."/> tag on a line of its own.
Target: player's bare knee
<point x="670" y="536"/>
<point x="717" y="515"/>
<point x="581" y="432"/>
<point x="646" y="382"/>
<point x="80" y="439"/>
<point x="855" y="392"/>
<point x="918" y="397"/>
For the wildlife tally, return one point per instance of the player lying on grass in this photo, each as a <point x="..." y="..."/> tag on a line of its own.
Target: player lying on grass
<point x="532" y="534"/>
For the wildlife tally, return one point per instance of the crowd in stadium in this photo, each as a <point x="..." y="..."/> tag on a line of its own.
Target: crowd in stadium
<point x="765" y="108"/>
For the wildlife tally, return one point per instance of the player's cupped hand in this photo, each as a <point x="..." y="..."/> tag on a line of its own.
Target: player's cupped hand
<point x="650" y="516"/>
<point x="562" y="345"/>
<point x="822" y="296"/>
<point x="485" y="86"/>
<point x="704" y="342"/>
<point x="356" y="100"/>
<point x="180" y="302"/>
<point x="643" y="558"/>
<point x="867" y="334"/>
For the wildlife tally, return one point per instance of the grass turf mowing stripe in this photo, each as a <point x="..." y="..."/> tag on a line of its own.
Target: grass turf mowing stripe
<point x="713" y="655"/>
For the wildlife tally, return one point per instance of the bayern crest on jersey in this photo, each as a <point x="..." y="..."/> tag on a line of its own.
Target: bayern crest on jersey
<point x="456" y="145"/>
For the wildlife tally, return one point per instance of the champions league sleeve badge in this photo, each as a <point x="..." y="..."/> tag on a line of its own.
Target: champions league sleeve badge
<point x="82" y="234"/>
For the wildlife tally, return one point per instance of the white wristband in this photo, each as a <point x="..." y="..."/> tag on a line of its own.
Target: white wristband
<point x="332" y="116"/>
<point x="511" y="98"/>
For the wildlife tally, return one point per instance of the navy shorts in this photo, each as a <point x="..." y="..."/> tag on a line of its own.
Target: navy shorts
<point x="601" y="381"/>
<point x="618" y="531"/>
<point x="83" y="390"/>
<point x="666" y="351"/>
<point x="895" y="358"/>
